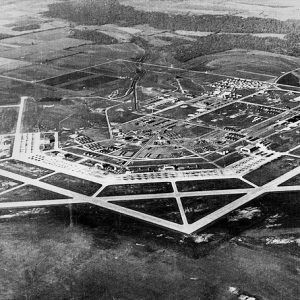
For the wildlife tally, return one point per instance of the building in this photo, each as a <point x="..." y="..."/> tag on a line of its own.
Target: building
<point x="249" y="149"/>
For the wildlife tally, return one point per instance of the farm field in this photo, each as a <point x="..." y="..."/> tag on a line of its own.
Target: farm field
<point x="11" y="91"/>
<point x="35" y="72"/>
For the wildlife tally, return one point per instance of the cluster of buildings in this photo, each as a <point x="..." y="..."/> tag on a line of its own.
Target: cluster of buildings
<point x="161" y="100"/>
<point x="231" y="84"/>
<point x="34" y="142"/>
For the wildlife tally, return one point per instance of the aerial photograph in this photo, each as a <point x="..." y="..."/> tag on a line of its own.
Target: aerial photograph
<point x="150" y="150"/>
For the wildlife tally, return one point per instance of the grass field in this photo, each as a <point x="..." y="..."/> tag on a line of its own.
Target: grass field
<point x="211" y="184"/>
<point x="291" y="182"/>
<point x="279" y="99"/>
<point x="239" y="115"/>
<point x="8" y="120"/>
<point x="249" y="64"/>
<point x="198" y="207"/>
<point x="12" y="90"/>
<point x="73" y="184"/>
<point x="272" y="170"/>
<point x="93" y="83"/>
<point x="64" y="115"/>
<point x="165" y="208"/>
<point x="188" y="131"/>
<point x="229" y="159"/>
<point x="24" y="169"/>
<point x="122" y="113"/>
<point x="180" y="112"/>
<point x="66" y="78"/>
<point x="136" y="189"/>
<point x="7" y="183"/>
<point x="35" y="72"/>
<point x="296" y="152"/>
<point x="30" y="193"/>
<point x="284" y="141"/>
<point x="282" y="9"/>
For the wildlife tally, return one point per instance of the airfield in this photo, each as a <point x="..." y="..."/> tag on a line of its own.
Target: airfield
<point x="176" y="145"/>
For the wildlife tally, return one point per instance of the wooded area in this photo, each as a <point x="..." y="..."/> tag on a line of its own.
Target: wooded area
<point x="101" y="12"/>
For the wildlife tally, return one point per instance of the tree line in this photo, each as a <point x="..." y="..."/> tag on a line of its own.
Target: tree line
<point x="223" y="42"/>
<point x="99" y="12"/>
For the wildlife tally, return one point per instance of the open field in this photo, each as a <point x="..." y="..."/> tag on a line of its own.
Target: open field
<point x="72" y="183"/>
<point x="211" y="184"/>
<point x="45" y="48"/>
<point x="291" y="79"/>
<point x="272" y="170"/>
<point x="64" y="115"/>
<point x="137" y="189"/>
<point x="190" y="131"/>
<point x="198" y="207"/>
<point x="24" y="169"/>
<point x="249" y="64"/>
<point x="104" y="241"/>
<point x="283" y="141"/>
<point x="166" y="208"/>
<point x="30" y="193"/>
<point x="239" y="115"/>
<point x="122" y="113"/>
<point x="279" y="99"/>
<point x="229" y="159"/>
<point x="35" y="72"/>
<point x="7" y="64"/>
<point x="65" y="78"/>
<point x="7" y="183"/>
<point x="93" y="83"/>
<point x="8" y="120"/>
<point x="11" y="91"/>
<point x="291" y="182"/>
<point x="272" y="9"/>
<point x="180" y="112"/>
